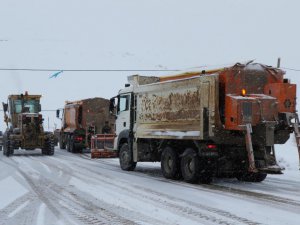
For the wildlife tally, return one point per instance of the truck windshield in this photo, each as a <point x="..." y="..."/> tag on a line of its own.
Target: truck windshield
<point x="30" y="106"/>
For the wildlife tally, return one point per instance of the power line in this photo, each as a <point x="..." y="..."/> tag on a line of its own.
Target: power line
<point x="286" y="68"/>
<point x="87" y="70"/>
<point x="108" y="70"/>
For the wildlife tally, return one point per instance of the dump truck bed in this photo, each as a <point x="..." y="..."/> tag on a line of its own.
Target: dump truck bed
<point x="179" y="109"/>
<point x="91" y="112"/>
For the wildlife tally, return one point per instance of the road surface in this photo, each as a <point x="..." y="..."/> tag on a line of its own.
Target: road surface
<point x="73" y="189"/>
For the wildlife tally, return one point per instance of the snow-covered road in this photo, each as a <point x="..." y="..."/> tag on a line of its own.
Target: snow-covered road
<point x="74" y="189"/>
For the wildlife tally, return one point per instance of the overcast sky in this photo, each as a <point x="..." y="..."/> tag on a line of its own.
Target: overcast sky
<point x="136" y="34"/>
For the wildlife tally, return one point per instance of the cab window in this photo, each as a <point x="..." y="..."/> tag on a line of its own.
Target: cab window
<point x="124" y="103"/>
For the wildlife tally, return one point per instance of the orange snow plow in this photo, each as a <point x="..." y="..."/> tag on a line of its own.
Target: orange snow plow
<point x="102" y="146"/>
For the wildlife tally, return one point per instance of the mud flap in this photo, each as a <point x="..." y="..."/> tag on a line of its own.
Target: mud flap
<point x="249" y="147"/>
<point x="297" y="135"/>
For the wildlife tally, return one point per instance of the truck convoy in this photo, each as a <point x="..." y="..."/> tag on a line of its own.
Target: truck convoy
<point x="25" y="125"/>
<point x="82" y="119"/>
<point x="210" y="123"/>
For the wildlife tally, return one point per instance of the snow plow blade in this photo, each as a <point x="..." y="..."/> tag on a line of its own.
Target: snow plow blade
<point x="103" y="154"/>
<point x="102" y="146"/>
<point x="272" y="169"/>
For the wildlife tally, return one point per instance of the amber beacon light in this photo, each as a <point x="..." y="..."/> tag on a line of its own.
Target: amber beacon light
<point x="243" y="92"/>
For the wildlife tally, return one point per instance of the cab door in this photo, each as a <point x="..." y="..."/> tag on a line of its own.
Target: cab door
<point x="123" y="114"/>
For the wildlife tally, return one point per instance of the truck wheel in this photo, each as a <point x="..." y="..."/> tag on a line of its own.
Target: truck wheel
<point x="126" y="158"/>
<point x="62" y="145"/>
<point x="6" y="148"/>
<point x="7" y="153"/>
<point x="251" y="177"/>
<point x="68" y="144"/>
<point x="190" y="165"/>
<point x="11" y="148"/>
<point x="48" y="146"/>
<point x="51" y="146"/>
<point x="170" y="164"/>
<point x="71" y="145"/>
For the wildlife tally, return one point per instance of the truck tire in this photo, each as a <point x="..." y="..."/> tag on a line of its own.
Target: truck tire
<point x="51" y="146"/>
<point x="126" y="158"/>
<point x="12" y="147"/>
<point x="190" y="166"/>
<point x="6" y="147"/>
<point x="252" y="177"/>
<point x="48" y="146"/>
<point x="62" y="145"/>
<point x="68" y="143"/>
<point x="71" y="145"/>
<point x="170" y="164"/>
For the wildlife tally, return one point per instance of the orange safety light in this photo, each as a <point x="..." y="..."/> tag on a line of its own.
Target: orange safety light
<point x="243" y="92"/>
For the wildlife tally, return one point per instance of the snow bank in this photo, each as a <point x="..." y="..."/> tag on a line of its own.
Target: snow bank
<point x="287" y="157"/>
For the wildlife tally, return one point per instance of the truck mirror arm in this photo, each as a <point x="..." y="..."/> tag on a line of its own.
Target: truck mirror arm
<point x="112" y="105"/>
<point x="57" y="113"/>
<point x="5" y="106"/>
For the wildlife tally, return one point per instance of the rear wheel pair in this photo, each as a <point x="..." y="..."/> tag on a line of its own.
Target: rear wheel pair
<point x="188" y="166"/>
<point x="70" y="144"/>
<point x="71" y="147"/>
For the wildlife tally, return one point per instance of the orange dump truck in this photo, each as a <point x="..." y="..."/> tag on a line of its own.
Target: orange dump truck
<point x="209" y="123"/>
<point x="81" y="120"/>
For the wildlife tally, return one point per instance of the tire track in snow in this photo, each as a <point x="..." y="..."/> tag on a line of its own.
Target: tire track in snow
<point x="71" y="205"/>
<point x="174" y="204"/>
<point x="83" y="211"/>
<point x="10" y="208"/>
<point x="135" y="216"/>
<point x="215" y="187"/>
<point x="38" y="193"/>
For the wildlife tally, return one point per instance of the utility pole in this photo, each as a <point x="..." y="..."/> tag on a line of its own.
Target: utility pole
<point x="278" y="62"/>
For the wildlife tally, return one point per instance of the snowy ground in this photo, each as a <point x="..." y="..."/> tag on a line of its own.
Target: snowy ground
<point x="74" y="189"/>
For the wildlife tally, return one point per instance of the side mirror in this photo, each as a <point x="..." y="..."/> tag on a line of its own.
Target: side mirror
<point x="112" y="105"/>
<point x="5" y="106"/>
<point x="57" y="113"/>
